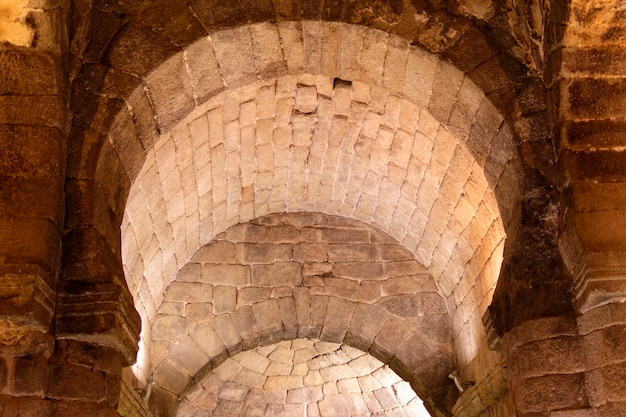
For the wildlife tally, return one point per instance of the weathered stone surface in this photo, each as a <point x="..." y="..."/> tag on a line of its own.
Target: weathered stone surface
<point x="450" y="127"/>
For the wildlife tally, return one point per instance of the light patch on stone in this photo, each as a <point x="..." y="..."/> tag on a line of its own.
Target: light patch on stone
<point x="11" y="333"/>
<point x="482" y="9"/>
<point x="13" y="27"/>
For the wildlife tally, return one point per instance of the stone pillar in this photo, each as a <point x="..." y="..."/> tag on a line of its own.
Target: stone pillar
<point x="547" y="368"/>
<point x="601" y="296"/>
<point x="66" y="327"/>
<point x="33" y="127"/>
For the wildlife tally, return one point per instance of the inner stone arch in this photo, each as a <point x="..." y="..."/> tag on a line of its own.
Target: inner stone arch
<point x="302" y="377"/>
<point x="302" y="275"/>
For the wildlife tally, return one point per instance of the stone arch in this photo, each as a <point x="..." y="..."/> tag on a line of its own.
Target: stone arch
<point x="125" y="121"/>
<point x="451" y="208"/>
<point x="302" y="377"/>
<point x="136" y="124"/>
<point x="303" y="275"/>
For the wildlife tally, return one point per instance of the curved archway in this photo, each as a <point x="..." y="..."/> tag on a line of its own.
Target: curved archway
<point x="303" y="275"/>
<point x="430" y="162"/>
<point x="454" y="221"/>
<point x="302" y="377"/>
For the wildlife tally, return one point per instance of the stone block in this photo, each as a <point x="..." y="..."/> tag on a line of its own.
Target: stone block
<point x="551" y="392"/>
<point x="188" y="356"/>
<point x="216" y="252"/>
<point x="552" y="356"/>
<point x="255" y="253"/>
<point x="285" y="234"/>
<point x="279" y="273"/>
<point x="238" y="67"/>
<point x="367" y="320"/>
<point x="268" y="52"/>
<point x="227" y="331"/>
<point x="305" y="395"/>
<point x="225" y="274"/>
<point x="287" y="306"/>
<point x="224" y="299"/>
<point x="595" y="98"/>
<point x="310" y="252"/>
<point x="138" y="37"/>
<point x="337" y="320"/>
<point x="419" y="77"/>
<point x="198" y="312"/>
<point x="391" y="337"/>
<point x="76" y="383"/>
<point x="203" y="69"/>
<point x="170" y="89"/>
<point x="228" y="408"/>
<point x="358" y="270"/>
<point x="191" y="292"/>
<point x="251" y="295"/>
<point x="352" y="252"/>
<point x="268" y="316"/>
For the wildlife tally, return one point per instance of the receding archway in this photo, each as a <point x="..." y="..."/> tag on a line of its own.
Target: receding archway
<point x="303" y="275"/>
<point x="302" y="377"/>
<point x="430" y="162"/>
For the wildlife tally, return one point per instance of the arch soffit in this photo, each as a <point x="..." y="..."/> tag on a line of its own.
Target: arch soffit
<point x="265" y="51"/>
<point x="477" y="122"/>
<point x="393" y="312"/>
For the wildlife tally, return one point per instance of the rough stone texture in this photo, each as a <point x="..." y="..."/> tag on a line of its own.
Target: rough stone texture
<point x="447" y="125"/>
<point x="433" y="204"/>
<point x="285" y="300"/>
<point x="298" y="388"/>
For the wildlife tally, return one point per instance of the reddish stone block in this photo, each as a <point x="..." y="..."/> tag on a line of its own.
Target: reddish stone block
<point x="471" y="49"/>
<point x="139" y="38"/>
<point x="337" y="235"/>
<point x="28" y="73"/>
<point x="19" y="156"/>
<point x="550" y="392"/>
<point x="176" y="21"/>
<point x="27" y="407"/>
<point x="42" y="111"/>
<point x="359" y="270"/>
<point x="30" y="377"/>
<point x="30" y="241"/>
<point x="70" y="382"/>
<point x="597" y="98"/>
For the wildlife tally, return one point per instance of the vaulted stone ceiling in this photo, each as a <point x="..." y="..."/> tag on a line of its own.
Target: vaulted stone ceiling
<point x="412" y="179"/>
<point x="307" y="117"/>
<point x="343" y="145"/>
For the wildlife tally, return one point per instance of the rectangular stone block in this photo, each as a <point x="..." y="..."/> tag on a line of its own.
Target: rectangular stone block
<point x="225" y="274"/>
<point x="170" y="90"/>
<point x="358" y="270"/>
<point x="247" y="326"/>
<point x="279" y="273"/>
<point x="203" y="70"/>
<point x="596" y="98"/>
<point x="238" y="68"/>
<point x="32" y="110"/>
